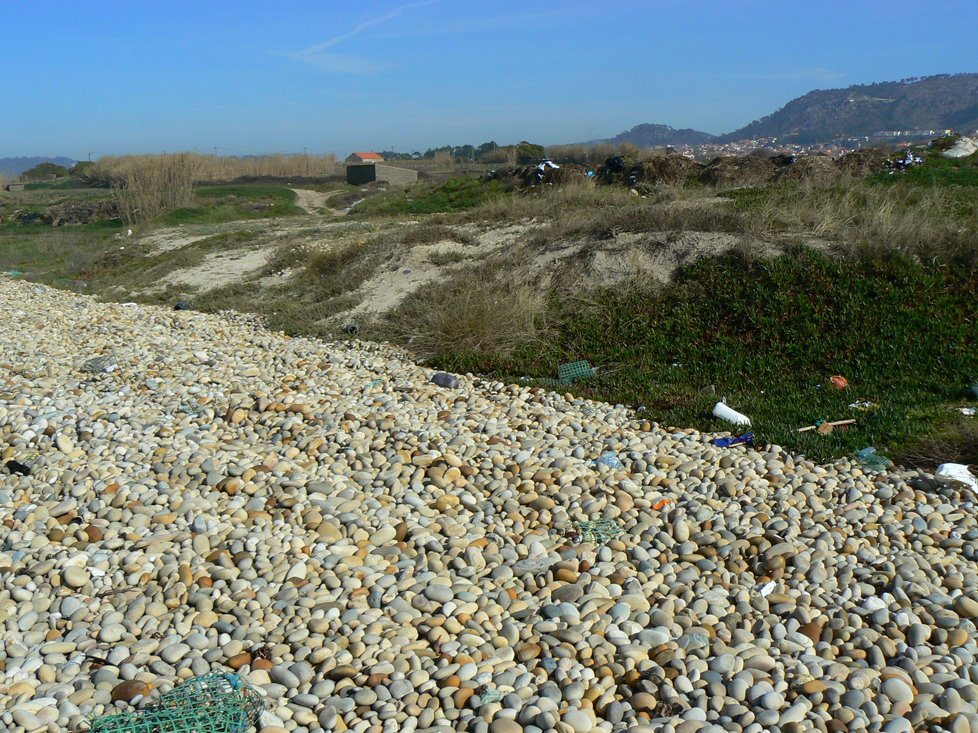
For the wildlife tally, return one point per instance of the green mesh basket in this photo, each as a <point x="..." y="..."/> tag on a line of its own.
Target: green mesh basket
<point x="213" y="703"/>
<point x="570" y="373"/>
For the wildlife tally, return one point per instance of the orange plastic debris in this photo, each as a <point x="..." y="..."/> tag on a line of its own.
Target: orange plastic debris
<point x="661" y="503"/>
<point x="839" y="382"/>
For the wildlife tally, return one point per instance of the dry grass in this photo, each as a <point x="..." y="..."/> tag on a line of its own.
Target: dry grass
<point x="111" y="169"/>
<point x="149" y="184"/>
<point x="485" y="310"/>
<point x="870" y="219"/>
<point x="581" y="208"/>
<point x="432" y="233"/>
<point x="864" y="218"/>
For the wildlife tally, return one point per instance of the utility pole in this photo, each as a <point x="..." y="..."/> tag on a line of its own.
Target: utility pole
<point x="89" y="156"/>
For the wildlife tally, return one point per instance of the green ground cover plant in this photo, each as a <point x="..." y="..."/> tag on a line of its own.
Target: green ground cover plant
<point x="455" y="194"/>
<point x="224" y="203"/>
<point x="768" y="335"/>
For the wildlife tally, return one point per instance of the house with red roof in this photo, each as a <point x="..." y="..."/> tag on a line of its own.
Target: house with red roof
<point x="365" y="158"/>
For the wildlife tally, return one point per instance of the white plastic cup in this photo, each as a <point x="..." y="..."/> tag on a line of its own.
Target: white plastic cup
<point x="723" y="412"/>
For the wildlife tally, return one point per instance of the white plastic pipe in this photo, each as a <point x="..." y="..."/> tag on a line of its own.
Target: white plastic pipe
<point x="723" y="412"/>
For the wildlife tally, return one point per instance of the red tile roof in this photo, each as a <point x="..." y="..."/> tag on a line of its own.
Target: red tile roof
<point x="369" y="156"/>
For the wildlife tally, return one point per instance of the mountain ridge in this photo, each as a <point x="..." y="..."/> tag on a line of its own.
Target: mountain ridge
<point x="935" y="102"/>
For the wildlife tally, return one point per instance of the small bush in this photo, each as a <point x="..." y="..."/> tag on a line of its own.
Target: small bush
<point x="428" y="233"/>
<point x="479" y="314"/>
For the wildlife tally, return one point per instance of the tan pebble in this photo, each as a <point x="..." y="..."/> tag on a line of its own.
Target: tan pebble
<point x="129" y="689"/>
<point x="239" y="660"/>
<point x="462" y="696"/>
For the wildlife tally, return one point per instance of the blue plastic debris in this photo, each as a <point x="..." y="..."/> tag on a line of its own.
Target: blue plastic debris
<point x="610" y="459"/>
<point x="727" y="442"/>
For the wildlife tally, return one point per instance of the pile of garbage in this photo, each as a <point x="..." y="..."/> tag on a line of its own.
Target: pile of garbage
<point x="954" y="146"/>
<point x="544" y="173"/>
<point x="819" y="169"/>
<point x="729" y="170"/>
<point x="72" y="212"/>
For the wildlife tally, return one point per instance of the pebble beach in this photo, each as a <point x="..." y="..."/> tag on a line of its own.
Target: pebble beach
<point x="184" y="493"/>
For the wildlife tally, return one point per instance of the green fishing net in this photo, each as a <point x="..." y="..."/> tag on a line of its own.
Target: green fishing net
<point x="213" y="703"/>
<point x="600" y="530"/>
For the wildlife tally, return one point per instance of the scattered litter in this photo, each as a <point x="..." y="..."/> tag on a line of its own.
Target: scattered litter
<point x="574" y="370"/>
<point x="839" y="382"/>
<point x="693" y="640"/>
<point x="967" y="411"/>
<point x="767" y="589"/>
<point x="870" y="460"/>
<point x="597" y="531"/>
<point x="864" y="405"/>
<point x="443" y="379"/>
<point x="490" y="695"/>
<point x="534" y="565"/>
<point x="909" y="160"/>
<point x="374" y="383"/>
<point x="570" y="373"/>
<point x="723" y="412"/>
<point x="181" y="306"/>
<point x="191" y="408"/>
<point x="824" y="427"/>
<point x="962" y="148"/>
<point x="610" y="459"/>
<point x="727" y="442"/>
<point x="213" y="703"/>
<point x="351" y="329"/>
<point x="18" y="468"/>
<point x="658" y="506"/>
<point x="957" y="472"/>
<point x="14" y="273"/>
<point x="100" y="364"/>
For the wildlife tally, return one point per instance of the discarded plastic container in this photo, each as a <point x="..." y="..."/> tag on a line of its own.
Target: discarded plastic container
<point x="534" y="565"/>
<point x="443" y="379"/>
<point x="957" y="472"/>
<point x="610" y="459"/>
<point x="723" y="412"/>
<point x="871" y="460"/>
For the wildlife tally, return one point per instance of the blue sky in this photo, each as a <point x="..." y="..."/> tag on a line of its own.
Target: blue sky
<point x="108" y="77"/>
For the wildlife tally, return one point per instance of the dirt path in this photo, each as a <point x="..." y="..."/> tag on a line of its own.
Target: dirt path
<point x="314" y="201"/>
<point x="220" y="268"/>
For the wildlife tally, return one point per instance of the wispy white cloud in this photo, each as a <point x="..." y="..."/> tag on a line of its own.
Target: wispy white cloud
<point x="319" y="56"/>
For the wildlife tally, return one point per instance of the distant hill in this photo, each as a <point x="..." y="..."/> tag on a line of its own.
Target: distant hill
<point x="657" y="136"/>
<point x="944" y="101"/>
<point x="938" y="102"/>
<point x="16" y="166"/>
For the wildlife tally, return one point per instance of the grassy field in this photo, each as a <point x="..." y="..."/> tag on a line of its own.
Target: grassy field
<point x="219" y="204"/>
<point x="876" y="284"/>
<point x="767" y="335"/>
